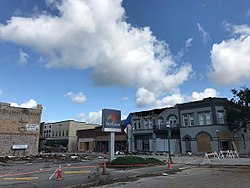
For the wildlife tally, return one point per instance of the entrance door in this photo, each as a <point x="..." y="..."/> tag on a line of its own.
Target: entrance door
<point x="188" y="144"/>
<point x="204" y="142"/>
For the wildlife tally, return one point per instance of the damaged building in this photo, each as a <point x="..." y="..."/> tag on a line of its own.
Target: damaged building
<point x="19" y="130"/>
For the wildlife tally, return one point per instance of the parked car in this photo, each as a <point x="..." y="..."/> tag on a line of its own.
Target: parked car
<point x="54" y="148"/>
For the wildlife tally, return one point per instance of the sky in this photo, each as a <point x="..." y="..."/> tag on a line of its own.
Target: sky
<point x="79" y="57"/>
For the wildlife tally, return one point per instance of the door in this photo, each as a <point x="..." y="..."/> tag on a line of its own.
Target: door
<point x="204" y="142"/>
<point x="188" y="144"/>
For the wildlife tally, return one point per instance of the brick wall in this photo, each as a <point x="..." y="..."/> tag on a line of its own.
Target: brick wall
<point x="13" y="129"/>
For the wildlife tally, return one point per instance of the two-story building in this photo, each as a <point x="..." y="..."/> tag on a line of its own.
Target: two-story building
<point x="196" y="127"/>
<point x="64" y="133"/>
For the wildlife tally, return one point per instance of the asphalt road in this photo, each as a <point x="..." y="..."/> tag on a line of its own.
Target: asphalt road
<point x="30" y="175"/>
<point x="23" y="174"/>
<point x="221" y="177"/>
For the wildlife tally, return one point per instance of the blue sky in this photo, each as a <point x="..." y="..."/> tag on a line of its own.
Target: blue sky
<point x="78" y="57"/>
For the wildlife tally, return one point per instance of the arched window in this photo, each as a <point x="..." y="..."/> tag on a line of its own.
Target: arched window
<point x="172" y="121"/>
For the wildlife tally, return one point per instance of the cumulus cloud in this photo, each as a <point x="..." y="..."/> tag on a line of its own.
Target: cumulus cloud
<point x="170" y="100"/>
<point x="77" y="98"/>
<point x="230" y="59"/>
<point x="28" y="104"/>
<point x="173" y="99"/>
<point x="23" y="57"/>
<point x="93" y="34"/>
<point x="92" y="117"/>
<point x="209" y="92"/>
<point x="204" y="35"/>
<point x="144" y="97"/>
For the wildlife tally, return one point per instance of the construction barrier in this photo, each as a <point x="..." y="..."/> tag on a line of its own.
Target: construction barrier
<point x="211" y="156"/>
<point x="228" y="154"/>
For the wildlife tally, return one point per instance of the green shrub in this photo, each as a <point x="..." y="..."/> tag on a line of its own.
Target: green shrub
<point x="130" y="160"/>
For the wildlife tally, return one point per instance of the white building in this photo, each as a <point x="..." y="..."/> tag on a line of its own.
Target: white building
<point x="64" y="133"/>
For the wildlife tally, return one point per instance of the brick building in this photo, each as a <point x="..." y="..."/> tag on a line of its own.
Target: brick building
<point x="98" y="141"/>
<point x="19" y="130"/>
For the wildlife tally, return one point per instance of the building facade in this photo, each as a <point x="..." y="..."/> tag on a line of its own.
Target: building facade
<point x="19" y="130"/>
<point x="195" y="127"/>
<point x="98" y="141"/>
<point x="203" y="126"/>
<point x="64" y="133"/>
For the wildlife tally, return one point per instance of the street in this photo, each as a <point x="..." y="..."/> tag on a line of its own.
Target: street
<point x="44" y="174"/>
<point x="195" y="178"/>
<point x="189" y="171"/>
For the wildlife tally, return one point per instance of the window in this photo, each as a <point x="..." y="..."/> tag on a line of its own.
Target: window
<point x="208" y="118"/>
<point x="145" y="124"/>
<point x="135" y="126"/>
<point x="67" y="133"/>
<point x="59" y="133"/>
<point x="221" y="117"/>
<point x="205" y="118"/>
<point x="150" y="124"/>
<point x="62" y="133"/>
<point x="191" y="119"/>
<point x="145" y="145"/>
<point x="185" y="120"/>
<point x="201" y="119"/>
<point x="172" y="121"/>
<point x="188" y="120"/>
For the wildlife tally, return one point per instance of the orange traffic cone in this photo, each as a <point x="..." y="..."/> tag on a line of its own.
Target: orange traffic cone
<point x="169" y="165"/>
<point x="59" y="174"/>
<point x="104" y="172"/>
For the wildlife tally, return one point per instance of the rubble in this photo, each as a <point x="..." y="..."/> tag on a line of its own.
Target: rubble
<point x="49" y="157"/>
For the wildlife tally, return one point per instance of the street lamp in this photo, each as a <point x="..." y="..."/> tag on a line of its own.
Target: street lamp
<point x="169" y="148"/>
<point x="218" y="141"/>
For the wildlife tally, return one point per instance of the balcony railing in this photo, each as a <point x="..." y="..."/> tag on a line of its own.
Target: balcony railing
<point x="164" y="126"/>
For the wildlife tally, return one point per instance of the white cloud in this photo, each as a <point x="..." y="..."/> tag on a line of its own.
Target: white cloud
<point x="209" y="92"/>
<point x="125" y="98"/>
<point x="77" y="98"/>
<point x="28" y="104"/>
<point x="92" y="117"/>
<point x="181" y="53"/>
<point x="23" y="57"/>
<point x="144" y="97"/>
<point x="204" y="35"/>
<point x="94" y="34"/>
<point x="230" y="59"/>
<point x="170" y="100"/>
<point x="174" y="98"/>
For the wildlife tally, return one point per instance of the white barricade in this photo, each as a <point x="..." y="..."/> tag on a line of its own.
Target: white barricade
<point x="234" y="154"/>
<point x="209" y="156"/>
<point x="228" y="154"/>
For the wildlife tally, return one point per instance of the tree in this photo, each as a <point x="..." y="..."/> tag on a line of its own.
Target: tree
<point x="238" y="113"/>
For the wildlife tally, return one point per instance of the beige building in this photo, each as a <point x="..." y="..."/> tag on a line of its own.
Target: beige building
<point x="19" y="130"/>
<point x="64" y="133"/>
